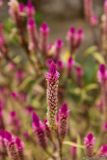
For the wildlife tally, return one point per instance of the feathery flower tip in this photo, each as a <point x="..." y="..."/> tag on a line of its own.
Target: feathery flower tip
<point x="102" y="68"/>
<point x="31" y="22"/>
<point x="72" y="30"/>
<point x="21" y="7"/>
<point x="64" y="108"/>
<point x="19" y="143"/>
<point x="52" y="68"/>
<point x="59" y="43"/>
<point x="44" y="28"/>
<point x="89" y="139"/>
<point x="103" y="150"/>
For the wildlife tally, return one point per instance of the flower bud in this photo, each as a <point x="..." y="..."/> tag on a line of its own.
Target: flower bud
<point x="89" y="142"/>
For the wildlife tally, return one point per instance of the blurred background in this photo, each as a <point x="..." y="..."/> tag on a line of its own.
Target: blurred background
<point x="60" y="15"/>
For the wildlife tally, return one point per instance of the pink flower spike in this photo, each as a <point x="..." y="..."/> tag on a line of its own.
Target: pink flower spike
<point x="30" y="9"/>
<point x="70" y="63"/>
<point x="89" y="139"/>
<point x="19" y="143"/>
<point x="44" y="29"/>
<point x="71" y="34"/>
<point x="60" y="65"/>
<point x="31" y="23"/>
<point x="89" y="142"/>
<point x="21" y="8"/>
<point x="36" y="120"/>
<point x="73" y="151"/>
<point x="94" y="21"/>
<point x="103" y="150"/>
<point x="52" y="73"/>
<point x="58" y="48"/>
<point x="102" y="73"/>
<point x="52" y="77"/>
<point x="62" y="120"/>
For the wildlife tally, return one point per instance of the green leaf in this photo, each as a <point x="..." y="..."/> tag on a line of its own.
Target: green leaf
<point x="90" y="50"/>
<point x="73" y="144"/>
<point x="99" y="57"/>
<point x="91" y="87"/>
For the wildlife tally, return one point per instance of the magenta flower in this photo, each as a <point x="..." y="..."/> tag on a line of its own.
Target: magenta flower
<point x="30" y="10"/>
<point x="70" y="64"/>
<point x="21" y="9"/>
<point x="79" y="75"/>
<point x="11" y="146"/>
<point x="39" y="130"/>
<point x="52" y="77"/>
<point x="47" y="130"/>
<point x="60" y="65"/>
<point x="44" y="34"/>
<point x="94" y="21"/>
<point x="73" y="151"/>
<point x="62" y="121"/>
<point x="102" y="74"/>
<point x="89" y="142"/>
<point x="32" y="35"/>
<point x="20" y="148"/>
<point x="103" y="150"/>
<point x="58" y="48"/>
<point x="75" y="38"/>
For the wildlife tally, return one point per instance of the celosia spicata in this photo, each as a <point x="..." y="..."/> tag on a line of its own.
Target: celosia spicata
<point x="44" y="34"/>
<point x="20" y="148"/>
<point x="73" y="151"/>
<point x="10" y="145"/>
<point x="58" y="48"/>
<point x="102" y="74"/>
<point x="89" y="142"/>
<point x="75" y="38"/>
<point x="103" y="150"/>
<point x="30" y="10"/>
<point x="52" y="77"/>
<point x="60" y="65"/>
<point x="70" y="64"/>
<point x="79" y="75"/>
<point x="32" y="35"/>
<point x="21" y="9"/>
<point x="39" y="131"/>
<point x="94" y="21"/>
<point x="63" y="115"/>
<point x="104" y="127"/>
<point x="47" y="129"/>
